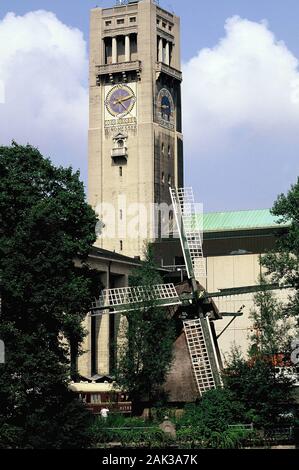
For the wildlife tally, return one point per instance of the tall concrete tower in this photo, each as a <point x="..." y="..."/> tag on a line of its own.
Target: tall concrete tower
<point x="135" y="129"/>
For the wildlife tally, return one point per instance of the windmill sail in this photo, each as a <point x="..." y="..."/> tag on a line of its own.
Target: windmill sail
<point x="197" y="331"/>
<point x="190" y="236"/>
<point x="126" y="299"/>
<point x="198" y="351"/>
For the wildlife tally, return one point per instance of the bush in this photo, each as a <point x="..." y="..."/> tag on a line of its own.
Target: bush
<point x="200" y="437"/>
<point x="264" y="397"/>
<point x="214" y="412"/>
<point x="128" y="432"/>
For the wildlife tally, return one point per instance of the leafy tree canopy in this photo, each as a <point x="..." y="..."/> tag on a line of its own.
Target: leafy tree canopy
<point x="271" y="329"/>
<point x="255" y="384"/>
<point x="45" y="223"/>
<point x="283" y="262"/>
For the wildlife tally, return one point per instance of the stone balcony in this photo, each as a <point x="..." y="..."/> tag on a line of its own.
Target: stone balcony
<point x="163" y="68"/>
<point x="119" y="152"/>
<point x="120" y="67"/>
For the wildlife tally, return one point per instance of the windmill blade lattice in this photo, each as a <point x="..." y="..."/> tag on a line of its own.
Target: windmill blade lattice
<point x="126" y="299"/>
<point x="201" y="364"/>
<point x="190" y="236"/>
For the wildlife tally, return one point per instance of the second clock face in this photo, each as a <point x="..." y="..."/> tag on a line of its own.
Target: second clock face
<point x="120" y="100"/>
<point x="165" y="108"/>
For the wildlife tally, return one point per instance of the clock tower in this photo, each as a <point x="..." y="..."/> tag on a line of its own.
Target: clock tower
<point x="135" y="129"/>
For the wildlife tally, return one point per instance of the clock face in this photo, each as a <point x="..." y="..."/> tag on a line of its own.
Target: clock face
<point x="165" y="106"/>
<point x="120" y="100"/>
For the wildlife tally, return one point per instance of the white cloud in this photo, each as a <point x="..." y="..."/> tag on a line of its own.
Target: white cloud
<point x="248" y="83"/>
<point x="44" y="67"/>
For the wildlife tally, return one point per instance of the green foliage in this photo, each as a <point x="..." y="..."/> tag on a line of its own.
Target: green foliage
<point x="255" y="385"/>
<point x="229" y="439"/>
<point x="283" y="262"/>
<point x="206" y="423"/>
<point x="146" y="355"/>
<point x="129" y="432"/>
<point x="203" y="425"/>
<point x="214" y="412"/>
<point x="271" y="329"/>
<point x="118" y="420"/>
<point x="45" y="224"/>
<point x="159" y="412"/>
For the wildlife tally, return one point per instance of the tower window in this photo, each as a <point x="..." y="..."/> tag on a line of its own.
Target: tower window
<point x="133" y="40"/>
<point x="108" y="50"/>
<point x="121" y="245"/>
<point x="121" y="214"/>
<point x="163" y="177"/>
<point x="169" y="180"/>
<point x="162" y="148"/>
<point x="169" y="152"/>
<point x="120" y="171"/>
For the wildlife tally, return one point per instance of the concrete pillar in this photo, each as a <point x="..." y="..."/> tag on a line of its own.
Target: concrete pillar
<point x="167" y="54"/>
<point x="160" y="50"/>
<point x="114" y="50"/>
<point x="103" y="348"/>
<point x="127" y="48"/>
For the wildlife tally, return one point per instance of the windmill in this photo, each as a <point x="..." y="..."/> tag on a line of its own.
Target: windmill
<point x="202" y="344"/>
<point x="196" y="324"/>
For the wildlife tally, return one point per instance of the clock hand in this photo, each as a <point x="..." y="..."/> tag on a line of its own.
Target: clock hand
<point x="125" y="98"/>
<point x="119" y="100"/>
<point x="123" y="105"/>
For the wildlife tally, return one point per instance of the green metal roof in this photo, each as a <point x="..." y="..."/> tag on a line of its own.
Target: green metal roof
<point x="240" y="220"/>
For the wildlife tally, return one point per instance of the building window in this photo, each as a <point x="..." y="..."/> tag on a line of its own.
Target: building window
<point x="108" y="23"/>
<point x="162" y="148"/>
<point x="169" y="152"/>
<point x="121" y="214"/>
<point x="169" y="180"/>
<point x="170" y="27"/>
<point x="120" y="21"/>
<point x="95" y="398"/>
<point x="108" y="50"/>
<point x="121" y="245"/>
<point x="158" y="21"/>
<point x="164" y="25"/>
<point x="120" y="171"/>
<point x="163" y="177"/>
<point x="133" y="38"/>
<point x="133" y="19"/>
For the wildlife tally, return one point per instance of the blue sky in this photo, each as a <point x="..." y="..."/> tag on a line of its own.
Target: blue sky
<point x="241" y="120"/>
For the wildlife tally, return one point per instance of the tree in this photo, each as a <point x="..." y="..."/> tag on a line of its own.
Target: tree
<point x="216" y="410"/>
<point x="283" y="262"/>
<point x="45" y="224"/>
<point x="146" y="354"/>
<point x="255" y="384"/>
<point x="271" y="332"/>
